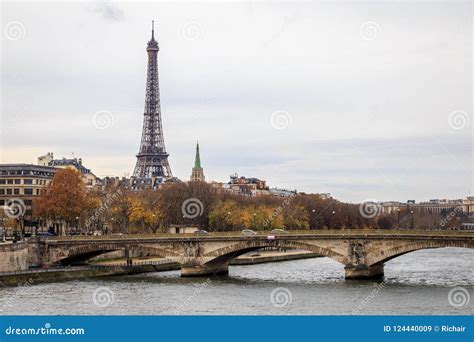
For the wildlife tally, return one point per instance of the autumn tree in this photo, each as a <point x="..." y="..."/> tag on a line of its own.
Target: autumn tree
<point x="66" y="198"/>
<point x="295" y="216"/>
<point x="145" y="213"/>
<point x="121" y="208"/>
<point x="386" y="221"/>
<point x="224" y="216"/>
<point x="177" y="199"/>
<point x="271" y="217"/>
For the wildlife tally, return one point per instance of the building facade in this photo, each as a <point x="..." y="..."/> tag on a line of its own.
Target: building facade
<point x="468" y="206"/>
<point x="19" y="185"/>
<point x="433" y="206"/>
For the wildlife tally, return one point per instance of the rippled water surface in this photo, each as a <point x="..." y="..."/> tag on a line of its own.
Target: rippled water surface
<point x="416" y="283"/>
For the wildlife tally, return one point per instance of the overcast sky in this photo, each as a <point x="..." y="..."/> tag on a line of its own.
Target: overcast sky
<point x="362" y="100"/>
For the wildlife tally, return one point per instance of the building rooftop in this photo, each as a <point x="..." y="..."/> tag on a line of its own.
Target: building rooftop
<point x="25" y="170"/>
<point x="77" y="163"/>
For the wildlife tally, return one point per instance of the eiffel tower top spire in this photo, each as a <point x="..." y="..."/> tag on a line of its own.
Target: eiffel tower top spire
<point x="152" y="44"/>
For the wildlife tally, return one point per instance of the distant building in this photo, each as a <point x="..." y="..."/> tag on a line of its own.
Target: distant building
<point x="325" y="195"/>
<point x="467" y="226"/>
<point x="197" y="174"/>
<point x="251" y="187"/>
<point x="145" y="183"/>
<point x="73" y="163"/>
<point x="282" y="192"/>
<point x="182" y="230"/>
<point x="151" y="183"/>
<point x="390" y="207"/>
<point x="432" y="206"/>
<point x="23" y="182"/>
<point x="115" y="182"/>
<point x="468" y="206"/>
<point x="254" y="182"/>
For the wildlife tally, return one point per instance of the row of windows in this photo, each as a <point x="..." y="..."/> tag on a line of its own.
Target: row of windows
<point x="26" y="173"/>
<point x="27" y="202"/>
<point x="25" y="181"/>
<point x="17" y="191"/>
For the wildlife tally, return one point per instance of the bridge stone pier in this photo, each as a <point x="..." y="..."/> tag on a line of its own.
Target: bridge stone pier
<point x="363" y="253"/>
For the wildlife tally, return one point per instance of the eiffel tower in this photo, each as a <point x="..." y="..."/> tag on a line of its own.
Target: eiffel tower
<point x="152" y="159"/>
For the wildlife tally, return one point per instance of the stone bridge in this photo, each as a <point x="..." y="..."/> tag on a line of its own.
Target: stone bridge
<point x="362" y="252"/>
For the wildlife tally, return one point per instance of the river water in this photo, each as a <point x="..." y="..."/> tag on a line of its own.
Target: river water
<point x="415" y="283"/>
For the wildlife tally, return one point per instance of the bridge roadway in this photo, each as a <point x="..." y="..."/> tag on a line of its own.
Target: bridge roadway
<point x="362" y="252"/>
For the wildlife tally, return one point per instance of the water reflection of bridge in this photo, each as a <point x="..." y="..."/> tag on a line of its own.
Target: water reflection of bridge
<point x="362" y="252"/>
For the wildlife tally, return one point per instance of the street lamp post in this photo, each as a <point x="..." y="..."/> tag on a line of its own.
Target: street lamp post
<point x="22" y="225"/>
<point x="412" y="225"/>
<point x="254" y="220"/>
<point x="398" y="218"/>
<point x="4" y="229"/>
<point x="332" y="218"/>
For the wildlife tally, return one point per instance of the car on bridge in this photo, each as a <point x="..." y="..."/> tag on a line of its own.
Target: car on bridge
<point x="46" y="234"/>
<point x="279" y="231"/>
<point x="248" y="232"/>
<point x="201" y="232"/>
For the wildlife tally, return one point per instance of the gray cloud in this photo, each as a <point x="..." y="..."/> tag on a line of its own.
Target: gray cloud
<point x="107" y="10"/>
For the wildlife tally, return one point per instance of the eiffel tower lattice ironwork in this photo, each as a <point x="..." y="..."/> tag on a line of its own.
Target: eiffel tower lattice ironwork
<point x="152" y="159"/>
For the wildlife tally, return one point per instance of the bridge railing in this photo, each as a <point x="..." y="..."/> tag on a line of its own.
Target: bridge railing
<point x="323" y="232"/>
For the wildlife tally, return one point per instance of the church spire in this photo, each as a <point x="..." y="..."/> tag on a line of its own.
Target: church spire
<point x="197" y="160"/>
<point x="197" y="174"/>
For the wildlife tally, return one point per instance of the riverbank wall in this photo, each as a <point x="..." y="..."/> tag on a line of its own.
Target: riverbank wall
<point x="13" y="256"/>
<point x="34" y="277"/>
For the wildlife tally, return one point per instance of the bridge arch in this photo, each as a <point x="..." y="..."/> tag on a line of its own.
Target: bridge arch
<point x="389" y="254"/>
<point x="225" y="254"/>
<point x="81" y="253"/>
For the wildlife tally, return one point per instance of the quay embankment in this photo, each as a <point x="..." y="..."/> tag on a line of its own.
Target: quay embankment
<point x="38" y="276"/>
